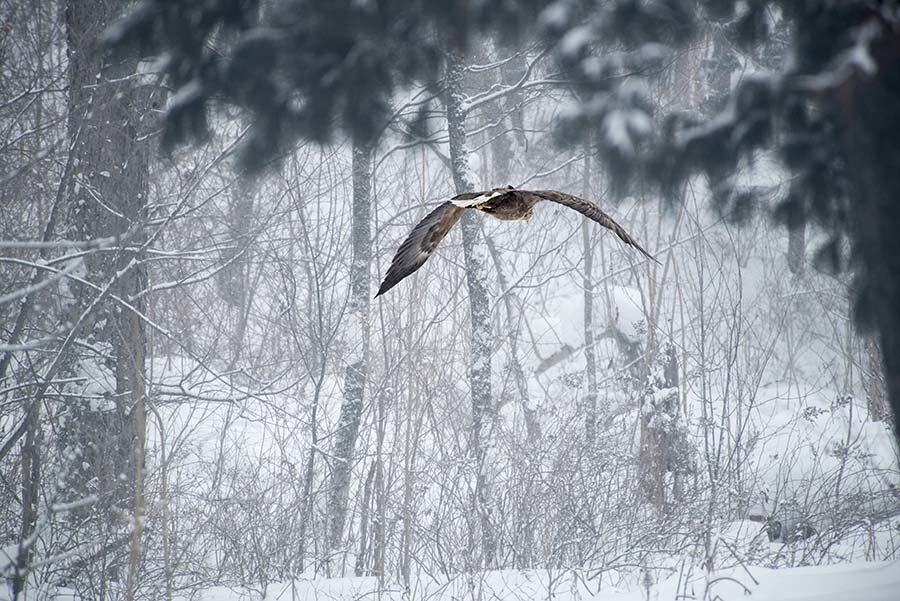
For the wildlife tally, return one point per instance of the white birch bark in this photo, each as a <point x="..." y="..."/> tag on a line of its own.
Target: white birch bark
<point x="479" y="305"/>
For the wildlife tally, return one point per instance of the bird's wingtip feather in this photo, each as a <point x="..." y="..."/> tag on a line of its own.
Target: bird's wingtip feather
<point x="385" y="286"/>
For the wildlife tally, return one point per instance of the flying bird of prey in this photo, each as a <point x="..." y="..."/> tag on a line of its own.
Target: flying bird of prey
<point x="507" y="204"/>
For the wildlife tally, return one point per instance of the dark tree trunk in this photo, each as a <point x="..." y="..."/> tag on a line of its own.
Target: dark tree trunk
<point x="31" y="478"/>
<point x="869" y="127"/>
<point x="109" y="122"/>
<point x="796" y="253"/>
<point x="479" y="305"/>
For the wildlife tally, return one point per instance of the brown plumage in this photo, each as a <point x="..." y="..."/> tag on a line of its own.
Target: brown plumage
<point x="503" y="203"/>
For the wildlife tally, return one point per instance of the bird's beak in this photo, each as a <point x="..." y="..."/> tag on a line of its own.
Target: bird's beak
<point x="527" y="217"/>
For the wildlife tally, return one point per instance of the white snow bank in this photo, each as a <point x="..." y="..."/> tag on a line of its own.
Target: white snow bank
<point x="846" y="582"/>
<point x="813" y="447"/>
<point x="857" y="581"/>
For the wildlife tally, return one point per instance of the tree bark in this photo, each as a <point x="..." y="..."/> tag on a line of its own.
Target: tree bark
<point x="362" y="554"/>
<point x="234" y="281"/>
<point x="358" y="345"/>
<point x="140" y="427"/>
<point x="868" y="131"/>
<point x="796" y="253"/>
<point x="590" y="357"/>
<point x="479" y="305"/>
<point x="31" y="478"/>
<point x="873" y="380"/>
<point x="109" y="123"/>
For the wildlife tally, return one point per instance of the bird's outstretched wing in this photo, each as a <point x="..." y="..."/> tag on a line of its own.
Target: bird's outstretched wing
<point x="593" y="212"/>
<point x="420" y="244"/>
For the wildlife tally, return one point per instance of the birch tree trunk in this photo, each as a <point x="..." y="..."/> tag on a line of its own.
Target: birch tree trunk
<point x="358" y="345"/>
<point x="479" y="306"/>
<point x="363" y="552"/>
<point x="873" y="380"/>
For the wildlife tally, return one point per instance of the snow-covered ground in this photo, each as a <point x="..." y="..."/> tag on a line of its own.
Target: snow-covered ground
<point x="859" y="581"/>
<point x="876" y="581"/>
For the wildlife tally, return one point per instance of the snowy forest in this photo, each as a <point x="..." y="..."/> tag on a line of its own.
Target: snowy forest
<point x="202" y="399"/>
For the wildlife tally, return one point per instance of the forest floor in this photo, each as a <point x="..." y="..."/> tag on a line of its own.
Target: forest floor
<point x="858" y="581"/>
